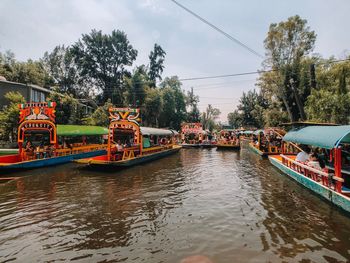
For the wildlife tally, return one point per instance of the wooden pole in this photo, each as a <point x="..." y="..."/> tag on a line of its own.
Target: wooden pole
<point x="337" y="168"/>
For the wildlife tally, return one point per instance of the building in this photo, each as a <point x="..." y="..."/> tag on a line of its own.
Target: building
<point x="35" y="93"/>
<point x="30" y="92"/>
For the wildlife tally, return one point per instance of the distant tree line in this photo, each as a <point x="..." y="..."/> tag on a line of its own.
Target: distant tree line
<point x="100" y="68"/>
<point x="293" y="85"/>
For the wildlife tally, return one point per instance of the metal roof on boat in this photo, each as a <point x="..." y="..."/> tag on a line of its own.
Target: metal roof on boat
<point x="155" y="131"/>
<point x="80" y="130"/>
<point x="326" y="137"/>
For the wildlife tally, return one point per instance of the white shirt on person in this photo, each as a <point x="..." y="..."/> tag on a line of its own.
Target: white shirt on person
<point x="302" y="157"/>
<point x="314" y="164"/>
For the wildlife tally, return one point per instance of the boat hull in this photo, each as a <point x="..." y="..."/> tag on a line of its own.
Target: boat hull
<point x="48" y="161"/>
<point x="88" y="162"/>
<point x="185" y="145"/>
<point x="327" y="193"/>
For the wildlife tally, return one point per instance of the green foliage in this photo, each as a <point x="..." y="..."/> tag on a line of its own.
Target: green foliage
<point x="234" y="119"/>
<point x="209" y="117"/>
<point x="102" y="59"/>
<point x="152" y="107"/>
<point x="9" y="116"/>
<point x="30" y="72"/>
<point x="62" y="69"/>
<point x="68" y="109"/>
<point x="192" y="102"/>
<point x="100" y="117"/>
<point x="136" y="86"/>
<point x="156" y="61"/>
<point x="328" y="106"/>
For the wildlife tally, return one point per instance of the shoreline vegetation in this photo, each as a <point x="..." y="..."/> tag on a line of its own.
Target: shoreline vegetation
<point x="294" y="84"/>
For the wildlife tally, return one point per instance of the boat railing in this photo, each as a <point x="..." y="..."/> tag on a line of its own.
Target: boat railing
<point x="324" y="177"/>
<point x="80" y="149"/>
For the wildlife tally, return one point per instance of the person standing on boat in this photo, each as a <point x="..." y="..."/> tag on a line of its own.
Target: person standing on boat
<point x="303" y="156"/>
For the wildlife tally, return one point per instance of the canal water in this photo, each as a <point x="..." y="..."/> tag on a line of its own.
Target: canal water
<point x="229" y="206"/>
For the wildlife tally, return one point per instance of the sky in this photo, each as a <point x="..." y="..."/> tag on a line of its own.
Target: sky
<point x="29" y="28"/>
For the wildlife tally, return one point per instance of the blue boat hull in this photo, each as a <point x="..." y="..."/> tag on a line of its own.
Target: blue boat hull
<point x="50" y="161"/>
<point x="327" y="193"/>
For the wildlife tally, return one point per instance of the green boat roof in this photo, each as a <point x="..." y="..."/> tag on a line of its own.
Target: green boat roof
<point x="80" y="130"/>
<point x="248" y="132"/>
<point x="326" y="137"/>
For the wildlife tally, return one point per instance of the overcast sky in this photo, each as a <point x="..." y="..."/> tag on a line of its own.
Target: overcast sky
<point x="31" y="27"/>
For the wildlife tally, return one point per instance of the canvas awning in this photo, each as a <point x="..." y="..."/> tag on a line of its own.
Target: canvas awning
<point x="326" y="137"/>
<point x="155" y="131"/>
<point x="80" y="130"/>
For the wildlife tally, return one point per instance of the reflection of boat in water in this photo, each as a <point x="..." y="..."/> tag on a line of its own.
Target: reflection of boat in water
<point x="229" y="139"/>
<point x="129" y="144"/>
<point x="193" y="136"/>
<point x="332" y="182"/>
<point x="43" y="143"/>
<point x="267" y="142"/>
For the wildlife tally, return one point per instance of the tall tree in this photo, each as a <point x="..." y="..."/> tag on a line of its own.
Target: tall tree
<point x="103" y="59"/>
<point x="234" y="119"/>
<point x="136" y="86"/>
<point x="62" y="69"/>
<point x="156" y="64"/>
<point x="209" y="117"/>
<point x="192" y="102"/>
<point x="286" y="44"/>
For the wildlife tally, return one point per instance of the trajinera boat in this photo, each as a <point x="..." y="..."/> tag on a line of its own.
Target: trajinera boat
<point x="193" y="136"/>
<point x="268" y="141"/>
<point x="129" y="144"/>
<point x="333" y="146"/>
<point x="43" y="143"/>
<point x="229" y="139"/>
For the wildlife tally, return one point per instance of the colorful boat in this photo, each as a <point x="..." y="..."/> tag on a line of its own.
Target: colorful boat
<point x="229" y="139"/>
<point x="129" y="144"/>
<point x="193" y="136"/>
<point x="267" y="142"/>
<point x="333" y="182"/>
<point x="43" y="143"/>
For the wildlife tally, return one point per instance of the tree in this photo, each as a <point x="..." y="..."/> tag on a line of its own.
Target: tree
<point x="234" y="119"/>
<point x="103" y="60"/>
<point x="100" y="117"/>
<point x="156" y="61"/>
<point x="286" y="44"/>
<point x="327" y="106"/>
<point x="174" y="103"/>
<point x="136" y="86"/>
<point x="192" y="102"/>
<point x="68" y="109"/>
<point x="62" y="69"/>
<point x="152" y="107"/>
<point x="9" y="116"/>
<point x="209" y="117"/>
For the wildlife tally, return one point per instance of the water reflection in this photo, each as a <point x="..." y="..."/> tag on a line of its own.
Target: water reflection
<point x="230" y="206"/>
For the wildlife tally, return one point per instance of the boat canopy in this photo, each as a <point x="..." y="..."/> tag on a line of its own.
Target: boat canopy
<point x="80" y="130"/>
<point x="257" y="132"/>
<point x="176" y="133"/>
<point x="248" y="132"/>
<point x="326" y="137"/>
<point x="155" y="131"/>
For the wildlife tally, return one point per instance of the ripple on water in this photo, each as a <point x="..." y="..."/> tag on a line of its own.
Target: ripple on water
<point x="233" y="207"/>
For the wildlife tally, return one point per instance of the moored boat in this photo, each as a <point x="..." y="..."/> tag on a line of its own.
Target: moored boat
<point x="43" y="143"/>
<point x="229" y="139"/>
<point x="331" y="182"/>
<point x="193" y="136"/>
<point x="130" y="144"/>
<point x="267" y="142"/>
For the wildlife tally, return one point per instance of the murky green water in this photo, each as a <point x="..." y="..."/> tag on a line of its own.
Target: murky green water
<point x="229" y="206"/>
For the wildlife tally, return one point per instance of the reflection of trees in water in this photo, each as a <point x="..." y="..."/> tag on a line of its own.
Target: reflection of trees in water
<point x="298" y="222"/>
<point x="119" y="209"/>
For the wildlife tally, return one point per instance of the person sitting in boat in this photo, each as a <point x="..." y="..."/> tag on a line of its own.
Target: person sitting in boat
<point x="29" y="150"/>
<point x="119" y="146"/>
<point x="316" y="162"/>
<point x="303" y="156"/>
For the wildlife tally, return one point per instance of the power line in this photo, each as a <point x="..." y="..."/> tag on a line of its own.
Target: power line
<point x="218" y="29"/>
<point x="227" y="75"/>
